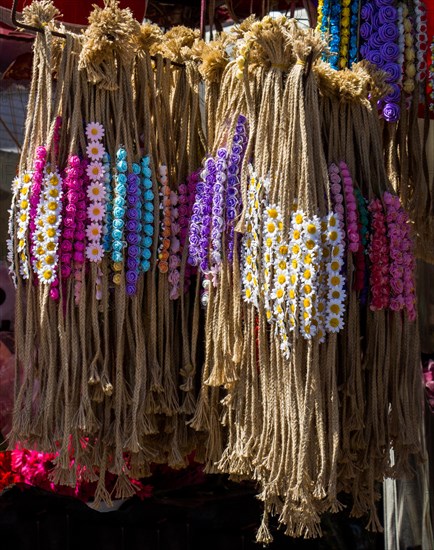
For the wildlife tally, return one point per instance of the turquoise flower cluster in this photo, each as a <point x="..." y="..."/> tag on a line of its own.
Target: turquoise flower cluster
<point x="148" y="214"/>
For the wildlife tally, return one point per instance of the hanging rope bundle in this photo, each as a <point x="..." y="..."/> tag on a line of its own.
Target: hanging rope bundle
<point x="235" y="280"/>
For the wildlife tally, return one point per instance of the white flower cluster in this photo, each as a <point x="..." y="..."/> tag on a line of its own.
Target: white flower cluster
<point x="250" y="251"/>
<point x="48" y="219"/>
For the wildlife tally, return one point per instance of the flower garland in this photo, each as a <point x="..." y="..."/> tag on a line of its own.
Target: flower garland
<point x="344" y="34"/>
<point x="72" y="186"/>
<point x="421" y="39"/>
<point x="336" y="193"/>
<point x="148" y="214"/>
<point x="409" y="56"/>
<point x="354" y="28"/>
<point x="323" y="16"/>
<point x="292" y="271"/>
<point x="120" y="193"/>
<point x="380" y="32"/>
<point x="133" y="229"/>
<point x="250" y="247"/>
<point x="96" y="195"/>
<point x="108" y="219"/>
<point x="166" y="220"/>
<point x="218" y="213"/>
<point x="22" y="186"/>
<point x="335" y="280"/>
<point x="233" y="196"/>
<point x="402" y="262"/>
<point x="187" y="195"/>
<point x="80" y="229"/>
<point x="379" y="256"/>
<point x="35" y="192"/>
<point x="47" y="223"/>
<point x="351" y="206"/>
<point x="16" y="184"/>
<point x="335" y="40"/>
<point x="174" y="257"/>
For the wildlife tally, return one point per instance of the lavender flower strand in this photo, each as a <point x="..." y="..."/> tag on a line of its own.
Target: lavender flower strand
<point x="217" y="226"/>
<point x="233" y="199"/>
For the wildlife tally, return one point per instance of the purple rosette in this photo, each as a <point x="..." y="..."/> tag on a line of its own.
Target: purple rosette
<point x="367" y="11"/>
<point x="375" y="41"/>
<point x="132" y="231"/>
<point x="374" y="56"/>
<point x="388" y="32"/>
<point x="388" y="14"/>
<point x="391" y="112"/>
<point x="217" y="222"/>
<point x="394" y="71"/>
<point x="365" y="30"/>
<point x="233" y="198"/>
<point x="394" y="96"/>
<point x="389" y="52"/>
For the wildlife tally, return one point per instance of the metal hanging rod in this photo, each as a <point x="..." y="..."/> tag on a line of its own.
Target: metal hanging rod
<point x="33" y="29"/>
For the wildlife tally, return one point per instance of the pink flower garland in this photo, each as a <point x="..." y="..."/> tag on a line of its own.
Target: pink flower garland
<point x="174" y="252"/>
<point x="379" y="256"/>
<point x="35" y="195"/>
<point x="80" y="230"/>
<point x="71" y="197"/>
<point x="402" y="261"/>
<point x="351" y="205"/>
<point x="337" y="197"/>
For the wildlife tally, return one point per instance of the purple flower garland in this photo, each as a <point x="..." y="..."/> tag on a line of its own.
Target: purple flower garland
<point x="233" y="198"/>
<point x="133" y="229"/>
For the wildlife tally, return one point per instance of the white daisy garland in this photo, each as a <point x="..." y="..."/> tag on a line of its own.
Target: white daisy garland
<point x="48" y="219"/>
<point x="22" y="221"/>
<point x="250" y="251"/>
<point x="311" y="256"/>
<point x="336" y="295"/>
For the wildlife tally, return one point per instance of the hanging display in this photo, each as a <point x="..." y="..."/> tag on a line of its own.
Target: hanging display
<point x="234" y="280"/>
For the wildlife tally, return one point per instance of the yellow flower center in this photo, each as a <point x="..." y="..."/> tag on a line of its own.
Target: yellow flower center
<point x="94" y="150"/>
<point x="295" y="249"/>
<point x="310" y="244"/>
<point x="271" y="227"/>
<point x="51" y="246"/>
<point x="292" y="294"/>
<point x="49" y="260"/>
<point x="269" y="242"/>
<point x="307" y="274"/>
<point x="95" y="170"/>
<point x="268" y="314"/>
<point x="47" y="274"/>
<point x="311" y="229"/>
<point x="248" y="292"/>
<point x="272" y="212"/>
<point x="296" y="235"/>
<point x="306" y="302"/>
<point x="282" y="264"/>
<point x="94" y="131"/>
<point x="336" y="294"/>
<point x="335" y="280"/>
<point x="281" y="279"/>
<point x="52" y="206"/>
<point x="334" y="322"/>
<point x="23" y="217"/>
<point x="294" y="264"/>
<point x="336" y="251"/>
<point x="51" y="232"/>
<point x="299" y="219"/>
<point x="308" y="259"/>
<point x="54" y="180"/>
<point x="333" y="235"/>
<point x="249" y="276"/>
<point x="52" y="219"/>
<point x="335" y="308"/>
<point x="321" y="307"/>
<point x="279" y="293"/>
<point x="307" y="329"/>
<point x="24" y="204"/>
<point x="332" y="221"/>
<point x="307" y="289"/>
<point x="26" y="178"/>
<point x="54" y="193"/>
<point x="280" y="226"/>
<point x="283" y="250"/>
<point x="334" y="266"/>
<point x="95" y="231"/>
<point x="293" y="279"/>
